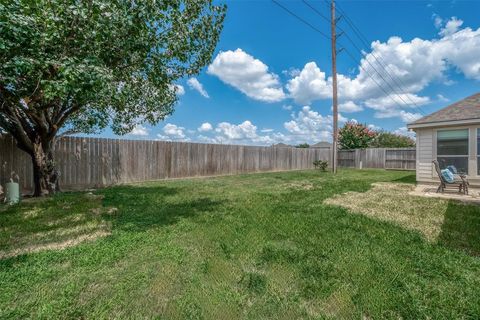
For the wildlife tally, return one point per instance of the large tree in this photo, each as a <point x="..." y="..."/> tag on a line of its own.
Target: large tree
<point x="78" y="66"/>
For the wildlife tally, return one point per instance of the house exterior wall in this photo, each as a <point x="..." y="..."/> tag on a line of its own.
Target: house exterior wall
<point x="426" y="144"/>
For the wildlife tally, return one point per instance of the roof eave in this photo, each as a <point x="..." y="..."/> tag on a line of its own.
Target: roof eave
<point x="450" y="123"/>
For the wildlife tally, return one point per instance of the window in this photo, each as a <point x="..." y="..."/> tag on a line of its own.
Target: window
<point x="452" y="149"/>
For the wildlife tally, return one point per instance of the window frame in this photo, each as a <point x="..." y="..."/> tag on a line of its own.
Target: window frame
<point x="469" y="151"/>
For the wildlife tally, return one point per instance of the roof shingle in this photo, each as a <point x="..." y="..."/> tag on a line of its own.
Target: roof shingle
<point x="466" y="109"/>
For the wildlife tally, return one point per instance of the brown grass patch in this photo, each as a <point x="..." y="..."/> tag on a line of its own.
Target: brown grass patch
<point x="50" y="224"/>
<point x="392" y="202"/>
<point x="300" y="185"/>
<point x="54" y="245"/>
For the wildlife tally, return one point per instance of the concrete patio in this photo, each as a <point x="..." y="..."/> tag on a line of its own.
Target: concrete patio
<point x="425" y="190"/>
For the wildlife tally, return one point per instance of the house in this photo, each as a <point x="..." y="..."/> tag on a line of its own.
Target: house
<point x="452" y="136"/>
<point x="322" y="145"/>
<point x="281" y="145"/>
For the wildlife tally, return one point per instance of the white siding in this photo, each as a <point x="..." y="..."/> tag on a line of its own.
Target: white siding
<point x="425" y="154"/>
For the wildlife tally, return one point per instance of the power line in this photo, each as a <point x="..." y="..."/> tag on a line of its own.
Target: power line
<point x="382" y="77"/>
<point x="301" y="19"/>
<point x="379" y="60"/>
<point x="370" y="76"/>
<point x="366" y="58"/>
<point x="362" y="38"/>
<point x="316" y="11"/>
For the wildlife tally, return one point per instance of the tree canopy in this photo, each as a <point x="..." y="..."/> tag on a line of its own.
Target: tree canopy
<point x="303" y="145"/>
<point x="355" y="135"/>
<point x="80" y="66"/>
<point x="385" y="139"/>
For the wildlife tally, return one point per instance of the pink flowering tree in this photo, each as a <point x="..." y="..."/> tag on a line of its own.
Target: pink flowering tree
<point x="355" y="136"/>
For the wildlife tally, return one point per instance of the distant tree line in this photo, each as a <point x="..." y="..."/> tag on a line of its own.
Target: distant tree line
<point x="303" y="145"/>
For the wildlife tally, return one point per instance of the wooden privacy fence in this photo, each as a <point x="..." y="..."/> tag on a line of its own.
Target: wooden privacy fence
<point x="96" y="162"/>
<point x="387" y="158"/>
<point x="400" y="158"/>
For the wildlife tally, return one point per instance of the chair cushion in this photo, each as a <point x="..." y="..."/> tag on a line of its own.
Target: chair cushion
<point x="448" y="176"/>
<point x="453" y="169"/>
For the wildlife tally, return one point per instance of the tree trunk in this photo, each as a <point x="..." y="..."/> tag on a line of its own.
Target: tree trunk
<point x="45" y="173"/>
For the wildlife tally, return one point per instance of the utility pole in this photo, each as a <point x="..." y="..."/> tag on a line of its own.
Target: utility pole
<point x="334" y="87"/>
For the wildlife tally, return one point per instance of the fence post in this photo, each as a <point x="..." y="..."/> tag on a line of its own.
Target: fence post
<point x="384" y="158"/>
<point x="358" y="158"/>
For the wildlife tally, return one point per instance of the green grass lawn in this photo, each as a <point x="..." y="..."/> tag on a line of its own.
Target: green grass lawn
<point x="273" y="245"/>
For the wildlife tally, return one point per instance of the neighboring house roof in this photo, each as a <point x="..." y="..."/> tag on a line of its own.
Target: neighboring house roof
<point x="461" y="112"/>
<point x="282" y="145"/>
<point x="322" y="144"/>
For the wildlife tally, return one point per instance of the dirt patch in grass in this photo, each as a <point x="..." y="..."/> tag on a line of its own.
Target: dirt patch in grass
<point x="54" y="245"/>
<point x="392" y="202"/>
<point x="300" y="185"/>
<point x="53" y="224"/>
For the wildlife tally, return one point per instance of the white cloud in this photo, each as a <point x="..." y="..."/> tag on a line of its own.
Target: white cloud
<point x="308" y="125"/>
<point x="247" y="74"/>
<point x="442" y="98"/>
<point x="206" y="126"/>
<point x="292" y="72"/>
<point x="242" y="133"/>
<point x="206" y="139"/>
<point x="287" y="107"/>
<point x="237" y="132"/>
<point x="461" y="50"/>
<point x="139" y="130"/>
<point x="451" y="27"/>
<point x="373" y="127"/>
<point x="392" y="101"/>
<point x="173" y="132"/>
<point x="179" y="89"/>
<point x="402" y="114"/>
<point x="419" y="62"/>
<point x="414" y="65"/>
<point x="194" y="84"/>
<point x="437" y="21"/>
<point x="409" y="116"/>
<point x="403" y="131"/>
<point x="245" y="133"/>
<point x="349" y="106"/>
<point x="309" y="85"/>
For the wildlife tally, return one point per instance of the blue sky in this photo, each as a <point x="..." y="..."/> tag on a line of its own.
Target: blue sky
<point x="269" y="79"/>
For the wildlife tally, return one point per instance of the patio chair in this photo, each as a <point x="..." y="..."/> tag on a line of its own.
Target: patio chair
<point x="460" y="181"/>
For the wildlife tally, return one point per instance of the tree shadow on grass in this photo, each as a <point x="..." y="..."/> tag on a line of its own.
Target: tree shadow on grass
<point x="407" y="179"/>
<point x="143" y="208"/>
<point x="461" y="228"/>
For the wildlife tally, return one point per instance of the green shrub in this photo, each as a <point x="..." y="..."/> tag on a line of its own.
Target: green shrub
<point x="321" y="165"/>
